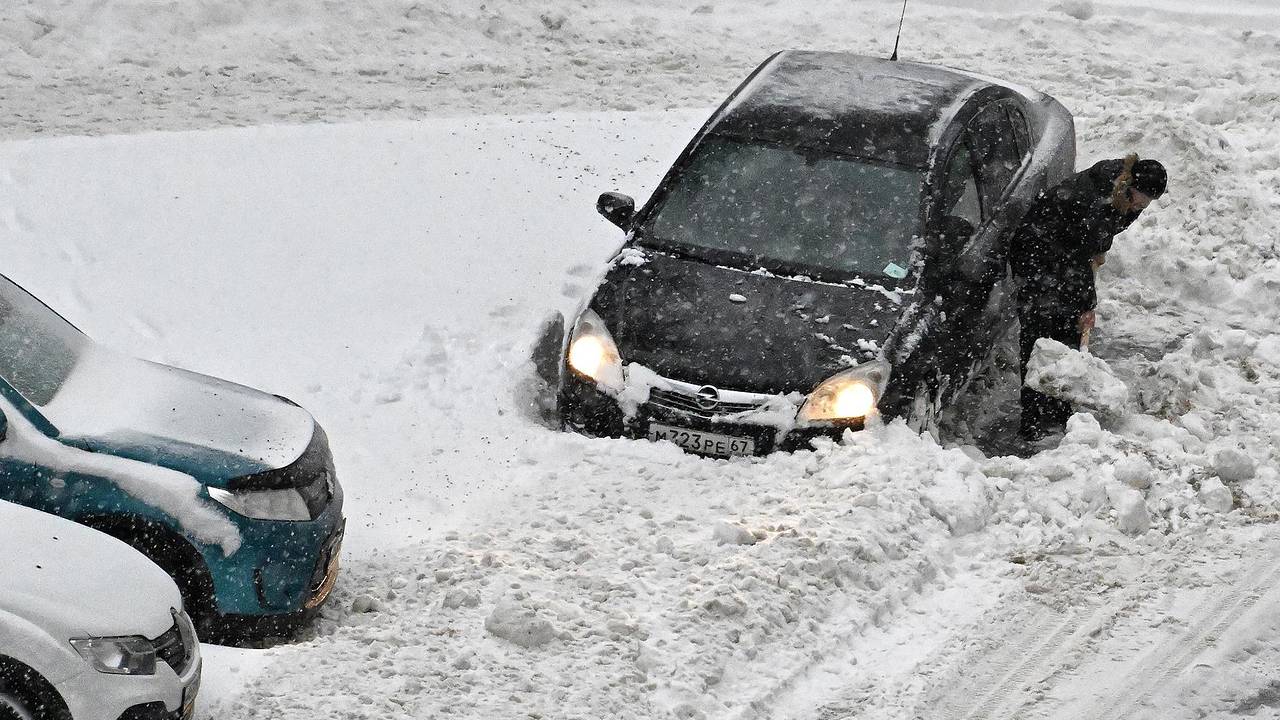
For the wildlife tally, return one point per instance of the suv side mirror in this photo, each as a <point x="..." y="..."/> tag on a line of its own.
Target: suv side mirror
<point x="617" y="208"/>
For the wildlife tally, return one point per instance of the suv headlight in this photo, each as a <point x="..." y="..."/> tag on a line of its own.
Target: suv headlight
<point x="118" y="656"/>
<point x="848" y="395"/>
<point x="285" y="504"/>
<point x="593" y="354"/>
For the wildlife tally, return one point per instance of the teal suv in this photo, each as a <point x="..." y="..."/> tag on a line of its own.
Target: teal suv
<point x="230" y="490"/>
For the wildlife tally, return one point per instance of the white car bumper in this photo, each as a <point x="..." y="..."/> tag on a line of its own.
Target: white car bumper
<point x="92" y="695"/>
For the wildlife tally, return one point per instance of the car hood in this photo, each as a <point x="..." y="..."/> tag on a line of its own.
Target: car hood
<point x="75" y="582"/>
<point x="211" y="429"/>
<point x="753" y="331"/>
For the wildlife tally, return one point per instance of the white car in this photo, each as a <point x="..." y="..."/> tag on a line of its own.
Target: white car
<point x="89" y="628"/>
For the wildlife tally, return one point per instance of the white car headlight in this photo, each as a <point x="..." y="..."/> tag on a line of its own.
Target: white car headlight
<point x="285" y="504"/>
<point x="848" y="395"/>
<point x="593" y="354"/>
<point x="118" y="656"/>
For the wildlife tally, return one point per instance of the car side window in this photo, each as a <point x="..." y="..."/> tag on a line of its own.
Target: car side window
<point x="960" y="196"/>
<point x="1021" y="131"/>
<point x="996" y="151"/>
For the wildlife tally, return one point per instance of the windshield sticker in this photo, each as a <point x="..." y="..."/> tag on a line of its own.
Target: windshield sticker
<point x="895" y="271"/>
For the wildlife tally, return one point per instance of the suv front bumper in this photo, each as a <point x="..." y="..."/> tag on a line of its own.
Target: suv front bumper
<point x="584" y="408"/>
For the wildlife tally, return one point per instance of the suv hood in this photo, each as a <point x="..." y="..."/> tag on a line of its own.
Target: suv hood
<point x="75" y="582"/>
<point x="211" y="429"/>
<point x="743" y="330"/>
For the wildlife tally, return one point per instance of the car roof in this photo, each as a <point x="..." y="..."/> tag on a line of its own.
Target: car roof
<point x="882" y="110"/>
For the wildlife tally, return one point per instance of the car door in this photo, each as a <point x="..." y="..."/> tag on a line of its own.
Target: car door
<point x="1002" y="145"/>
<point x="930" y="348"/>
<point x="980" y="167"/>
<point x="999" y="154"/>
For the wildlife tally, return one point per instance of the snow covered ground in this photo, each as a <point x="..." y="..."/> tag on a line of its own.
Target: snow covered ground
<point x="389" y="276"/>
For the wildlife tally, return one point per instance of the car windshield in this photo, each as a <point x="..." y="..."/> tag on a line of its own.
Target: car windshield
<point x="38" y="349"/>
<point x="795" y="208"/>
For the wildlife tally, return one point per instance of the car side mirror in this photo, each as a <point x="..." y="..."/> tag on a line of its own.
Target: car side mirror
<point x="617" y="208"/>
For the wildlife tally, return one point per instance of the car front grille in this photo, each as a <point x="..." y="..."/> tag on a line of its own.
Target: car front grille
<point x="173" y="648"/>
<point x="694" y="405"/>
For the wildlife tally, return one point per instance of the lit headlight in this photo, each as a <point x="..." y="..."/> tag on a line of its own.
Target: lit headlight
<point x="593" y="354"/>
<point x="849" y="395"/>
<point x="118" y="656"/>
<point x="286" y="504"/>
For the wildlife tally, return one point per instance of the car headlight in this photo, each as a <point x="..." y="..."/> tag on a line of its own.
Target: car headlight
<point x="852" y="394"/>
<point x="119" y="655"/>
<point x="285" y="504"/>
<point x="593" y="354"/>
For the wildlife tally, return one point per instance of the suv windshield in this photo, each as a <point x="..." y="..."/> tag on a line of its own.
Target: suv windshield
<point x="798" y="208"/>
<point x="38" y="349"/>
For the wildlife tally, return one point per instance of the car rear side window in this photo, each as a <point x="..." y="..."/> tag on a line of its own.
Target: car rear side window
<point x="995" y="147"/>
<point x="1021" y="132"/>
<point x="793" y="207"/>
<point x="960" y="196"/>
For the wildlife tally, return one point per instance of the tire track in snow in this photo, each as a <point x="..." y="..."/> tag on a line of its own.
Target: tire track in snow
<point x="999" y="678"/>
<point x="1004" y="667"/>
<point x="1040" y="651"/>
<point x="1209" y="620"/>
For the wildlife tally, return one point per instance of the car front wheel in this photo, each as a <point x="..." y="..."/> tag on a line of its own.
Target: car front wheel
<point x="11" y="708"/>
<point x="25" y="695"/>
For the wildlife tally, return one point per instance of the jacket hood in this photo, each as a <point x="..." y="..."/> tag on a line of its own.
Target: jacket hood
<point x="211" y="429"/>
<point x="753" y="331"/>
<point x="75" y="582"/>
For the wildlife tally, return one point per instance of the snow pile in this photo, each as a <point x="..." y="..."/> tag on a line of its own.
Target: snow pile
<point x="669" y="587"/>
<point x="130" y="65"/>
<point x="1078" y="377"/>
<point x="636" y="581"/>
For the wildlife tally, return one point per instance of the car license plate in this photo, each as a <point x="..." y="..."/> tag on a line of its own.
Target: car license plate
<point x="702" y="443"/>
<point x="189" y="694"/>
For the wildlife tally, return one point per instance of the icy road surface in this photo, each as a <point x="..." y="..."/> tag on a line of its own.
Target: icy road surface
<point x="389" y="276"/>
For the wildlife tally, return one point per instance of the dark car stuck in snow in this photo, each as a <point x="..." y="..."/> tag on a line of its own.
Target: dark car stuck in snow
<point x="832" y="244"/>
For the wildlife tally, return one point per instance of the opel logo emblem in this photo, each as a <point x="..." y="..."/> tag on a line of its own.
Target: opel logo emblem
<point x="708" y="397"/>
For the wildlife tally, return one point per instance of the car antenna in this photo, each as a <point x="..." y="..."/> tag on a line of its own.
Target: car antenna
<point x="894" y="56"/>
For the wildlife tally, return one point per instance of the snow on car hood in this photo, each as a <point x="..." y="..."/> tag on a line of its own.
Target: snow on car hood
<point x="176" y="418"/>
<point x="754" y="331"/>
<point x="75" y="582"/>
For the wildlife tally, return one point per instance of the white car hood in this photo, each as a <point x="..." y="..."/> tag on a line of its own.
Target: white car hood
<point x="76" y="582"/>
<point x="113" y="397"/>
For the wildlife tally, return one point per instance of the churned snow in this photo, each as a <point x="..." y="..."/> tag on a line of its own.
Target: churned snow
<point x="1078" y="377"/>
<point x="391" y="276"/>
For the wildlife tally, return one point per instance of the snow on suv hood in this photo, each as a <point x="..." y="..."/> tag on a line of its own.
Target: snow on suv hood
<point x="176" y="418"/>
<point x="75" y="582"/>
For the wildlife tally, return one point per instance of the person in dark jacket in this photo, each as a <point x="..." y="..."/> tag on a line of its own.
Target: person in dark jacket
<point x="1063" y="238"/>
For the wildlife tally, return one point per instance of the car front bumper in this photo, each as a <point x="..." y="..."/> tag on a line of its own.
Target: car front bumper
<point x="92" y="695"/>
<point x="586" y="409"/>
<point x="283" y="570"/>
